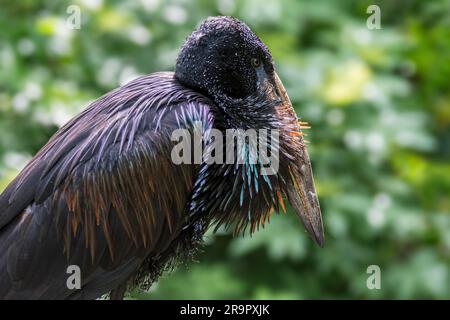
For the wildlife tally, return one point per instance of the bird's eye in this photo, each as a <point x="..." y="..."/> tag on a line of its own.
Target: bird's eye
<point x="255" y="62"/>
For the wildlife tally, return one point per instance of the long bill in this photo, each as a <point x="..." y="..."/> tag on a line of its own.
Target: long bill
<point x="301" y="191"/>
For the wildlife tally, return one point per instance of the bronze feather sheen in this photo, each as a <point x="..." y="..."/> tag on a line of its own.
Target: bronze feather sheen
<point x="105" y="195"/>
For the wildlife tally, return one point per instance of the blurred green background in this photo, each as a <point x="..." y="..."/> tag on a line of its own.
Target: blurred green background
<point x="378" y="102"/>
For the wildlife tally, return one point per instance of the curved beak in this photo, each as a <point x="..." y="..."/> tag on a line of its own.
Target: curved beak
<point x="301" y="191"/>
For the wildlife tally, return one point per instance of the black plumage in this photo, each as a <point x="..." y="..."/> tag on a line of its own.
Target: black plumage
<point x="105" y="195"/>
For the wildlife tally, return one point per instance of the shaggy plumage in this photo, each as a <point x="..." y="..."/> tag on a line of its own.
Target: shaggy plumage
<point x="104" y="193"/>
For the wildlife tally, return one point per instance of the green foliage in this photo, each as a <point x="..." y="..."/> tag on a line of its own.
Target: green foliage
<point x="378" y="102"/>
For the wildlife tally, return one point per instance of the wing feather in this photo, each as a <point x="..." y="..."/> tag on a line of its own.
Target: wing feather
<point x="103" y="193"/>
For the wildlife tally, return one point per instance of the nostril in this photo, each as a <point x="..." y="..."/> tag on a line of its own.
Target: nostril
<point x="277" y="93"/>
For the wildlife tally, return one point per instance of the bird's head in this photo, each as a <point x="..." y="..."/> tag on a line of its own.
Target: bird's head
<point x="226" y="61"/>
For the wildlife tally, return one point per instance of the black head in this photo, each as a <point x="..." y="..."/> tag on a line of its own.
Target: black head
<point x="222" y="59"/>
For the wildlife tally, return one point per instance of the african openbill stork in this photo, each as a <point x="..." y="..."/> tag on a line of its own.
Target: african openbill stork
<point x="104" y="194"/>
